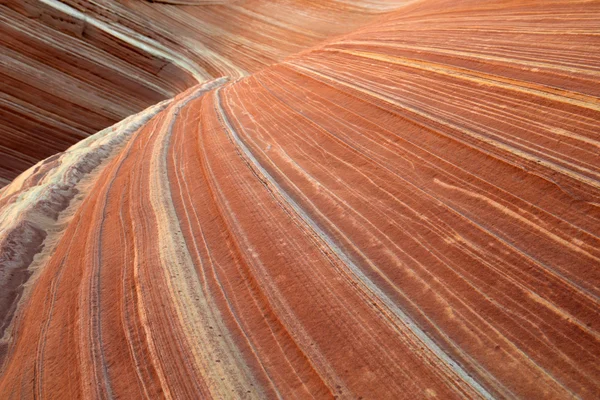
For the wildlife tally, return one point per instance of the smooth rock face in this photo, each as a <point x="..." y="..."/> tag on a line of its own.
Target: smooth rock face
<point x="410" y="210"/>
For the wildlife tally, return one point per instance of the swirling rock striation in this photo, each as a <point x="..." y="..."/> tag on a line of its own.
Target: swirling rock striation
<point x="70" y="68"/>
<point x="410" y="210"/>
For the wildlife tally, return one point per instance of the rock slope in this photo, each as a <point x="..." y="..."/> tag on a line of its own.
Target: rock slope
<point x="410" y="210"/>
<point x="71" y="68"/>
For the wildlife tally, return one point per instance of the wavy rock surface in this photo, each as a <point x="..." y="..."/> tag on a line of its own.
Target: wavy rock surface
<point x="407" y="211"/>
<point x="70" y="68"/>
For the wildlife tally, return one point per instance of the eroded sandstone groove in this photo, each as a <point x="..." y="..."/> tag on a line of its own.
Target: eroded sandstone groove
<point x="410" y="210"/>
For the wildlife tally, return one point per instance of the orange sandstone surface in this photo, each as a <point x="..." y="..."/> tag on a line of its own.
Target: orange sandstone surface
<point x="408" y="210"/>
<point x="70" y="68"/>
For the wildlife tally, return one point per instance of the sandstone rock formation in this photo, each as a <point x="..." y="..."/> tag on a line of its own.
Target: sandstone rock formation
<point x="407" y="210"/>
<point x="71" y="68"/>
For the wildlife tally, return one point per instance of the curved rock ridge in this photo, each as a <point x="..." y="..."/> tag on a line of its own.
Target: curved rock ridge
<point x="32" y="207"/>
<point x="411" y="210"/>
<point x="71" y="68"/>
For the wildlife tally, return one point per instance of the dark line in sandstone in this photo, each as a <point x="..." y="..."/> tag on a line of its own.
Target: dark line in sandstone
<point x="411" y="325"/>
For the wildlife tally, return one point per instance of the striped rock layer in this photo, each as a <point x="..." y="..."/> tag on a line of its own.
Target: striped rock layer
<point x="71" y="68"/>
<point x="409" y="211"/>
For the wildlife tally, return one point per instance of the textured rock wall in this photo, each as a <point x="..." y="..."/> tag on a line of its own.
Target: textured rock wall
<point x="71" y="68"/>
<point x="407" y="211"/>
